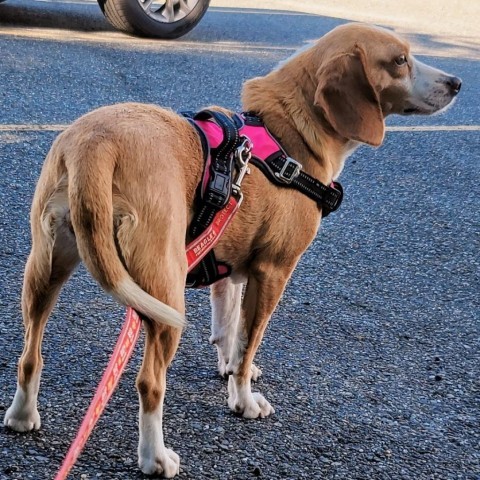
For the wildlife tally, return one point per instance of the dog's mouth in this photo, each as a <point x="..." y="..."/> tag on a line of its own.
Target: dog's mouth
<point x="420" y="108"/>
<point x="428" y="109"/>
<point x="428" y="106"/>
<point x="410" y="111"/>
<point x="417" y="111"/>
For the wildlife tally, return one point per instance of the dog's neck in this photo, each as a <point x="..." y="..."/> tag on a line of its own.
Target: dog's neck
<point x="303" y="132"/>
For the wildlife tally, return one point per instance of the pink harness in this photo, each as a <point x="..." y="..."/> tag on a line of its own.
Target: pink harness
<point x="265" y="151"/>
<point x="222" y="137"/>
<point x="263" y="143"/>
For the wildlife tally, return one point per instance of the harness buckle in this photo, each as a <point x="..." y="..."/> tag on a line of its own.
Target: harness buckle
<point x="218" y="191"/>
<point x="290" y="171"/>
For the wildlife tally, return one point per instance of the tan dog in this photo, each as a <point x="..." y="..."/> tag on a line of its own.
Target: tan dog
<point x="117" y="191"/>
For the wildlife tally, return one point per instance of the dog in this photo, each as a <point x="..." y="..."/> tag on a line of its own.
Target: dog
<point x="117" y="191"/>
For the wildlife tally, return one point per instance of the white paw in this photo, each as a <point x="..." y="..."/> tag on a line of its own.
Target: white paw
<point x="22" y="416"/>
<point x="250" y="405"/>
<point x="22" y="421"/>
<point x="23" y="425"/>
<point x="167" y="464"/>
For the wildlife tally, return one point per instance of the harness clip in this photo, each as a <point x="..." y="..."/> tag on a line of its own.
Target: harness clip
<point x="290" y="171"/>
<point x="243" y="155"/>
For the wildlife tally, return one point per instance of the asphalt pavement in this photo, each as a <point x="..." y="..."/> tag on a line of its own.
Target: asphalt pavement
<point x="372" y="359"/>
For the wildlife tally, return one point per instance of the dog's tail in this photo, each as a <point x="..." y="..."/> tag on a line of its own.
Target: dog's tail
<point x="91" y="209"/>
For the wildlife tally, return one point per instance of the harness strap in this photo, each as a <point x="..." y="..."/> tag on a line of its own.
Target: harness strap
<point x="215" y="191"/>
<point x="219" y="187"/>
<point x="286" y="172"/>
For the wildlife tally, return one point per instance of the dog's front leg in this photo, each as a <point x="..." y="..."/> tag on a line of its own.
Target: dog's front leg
<point x="226" y="300"/>
<point x="227" y="334"/>
<point x="264" y="289"/>
<point x="160" y="347"/>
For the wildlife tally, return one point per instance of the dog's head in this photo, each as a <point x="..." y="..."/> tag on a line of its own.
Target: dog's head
<point x="365" y="73"/>
<point x="350" y="79"/>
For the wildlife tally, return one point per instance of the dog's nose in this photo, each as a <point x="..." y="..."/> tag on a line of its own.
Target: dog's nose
<point x="455" y="84"/>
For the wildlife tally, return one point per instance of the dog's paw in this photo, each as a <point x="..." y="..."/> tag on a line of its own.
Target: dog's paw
<point x="256" y="407"/>
<point x="23" y="416"/>
<point x="246" y="403"/>
<point x="22" y="420"/>
<point x="166" y="464"/>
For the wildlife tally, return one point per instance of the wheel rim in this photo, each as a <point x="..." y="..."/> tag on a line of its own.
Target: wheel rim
<point x="167" y="11"/>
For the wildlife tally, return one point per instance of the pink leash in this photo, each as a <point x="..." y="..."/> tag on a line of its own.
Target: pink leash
<point x="120" y="356"/>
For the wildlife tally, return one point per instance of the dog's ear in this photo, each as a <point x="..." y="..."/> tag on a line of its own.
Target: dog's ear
<point x="349" y="100"/>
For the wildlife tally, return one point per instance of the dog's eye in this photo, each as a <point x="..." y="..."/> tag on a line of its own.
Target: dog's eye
<point x="401" y="60"/>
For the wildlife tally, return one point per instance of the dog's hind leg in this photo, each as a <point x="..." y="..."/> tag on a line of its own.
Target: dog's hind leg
<point x="229" y="339"/>
<point x="52" y="259"/>
<point x="160" y="270"/>
<point x="161" y="344"/>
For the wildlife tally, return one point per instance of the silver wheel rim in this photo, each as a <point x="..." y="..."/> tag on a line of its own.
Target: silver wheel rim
<point x="167" y="11"/>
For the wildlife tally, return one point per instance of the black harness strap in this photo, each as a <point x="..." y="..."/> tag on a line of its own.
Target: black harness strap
<point x="219" y="187"/>
<point x="215" y="195"/>
<point x="284" y="171"/>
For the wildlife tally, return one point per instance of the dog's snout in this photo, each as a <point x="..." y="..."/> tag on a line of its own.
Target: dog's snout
<point x="454" y="83"/>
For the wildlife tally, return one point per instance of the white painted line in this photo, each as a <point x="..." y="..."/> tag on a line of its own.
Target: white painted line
<point x="436" y="128"/>
<point x="418" y="128"/>
<point x="32" y="128"/>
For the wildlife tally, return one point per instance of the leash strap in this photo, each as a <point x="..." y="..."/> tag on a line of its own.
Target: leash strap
<point x="198" y="248"/>
<point x="118" y="361"/>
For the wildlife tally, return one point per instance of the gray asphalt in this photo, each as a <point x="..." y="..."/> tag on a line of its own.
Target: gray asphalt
<point x="372" y="358"/>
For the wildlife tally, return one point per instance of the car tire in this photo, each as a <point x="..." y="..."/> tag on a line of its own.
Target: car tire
<point x="129" y="16"/>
